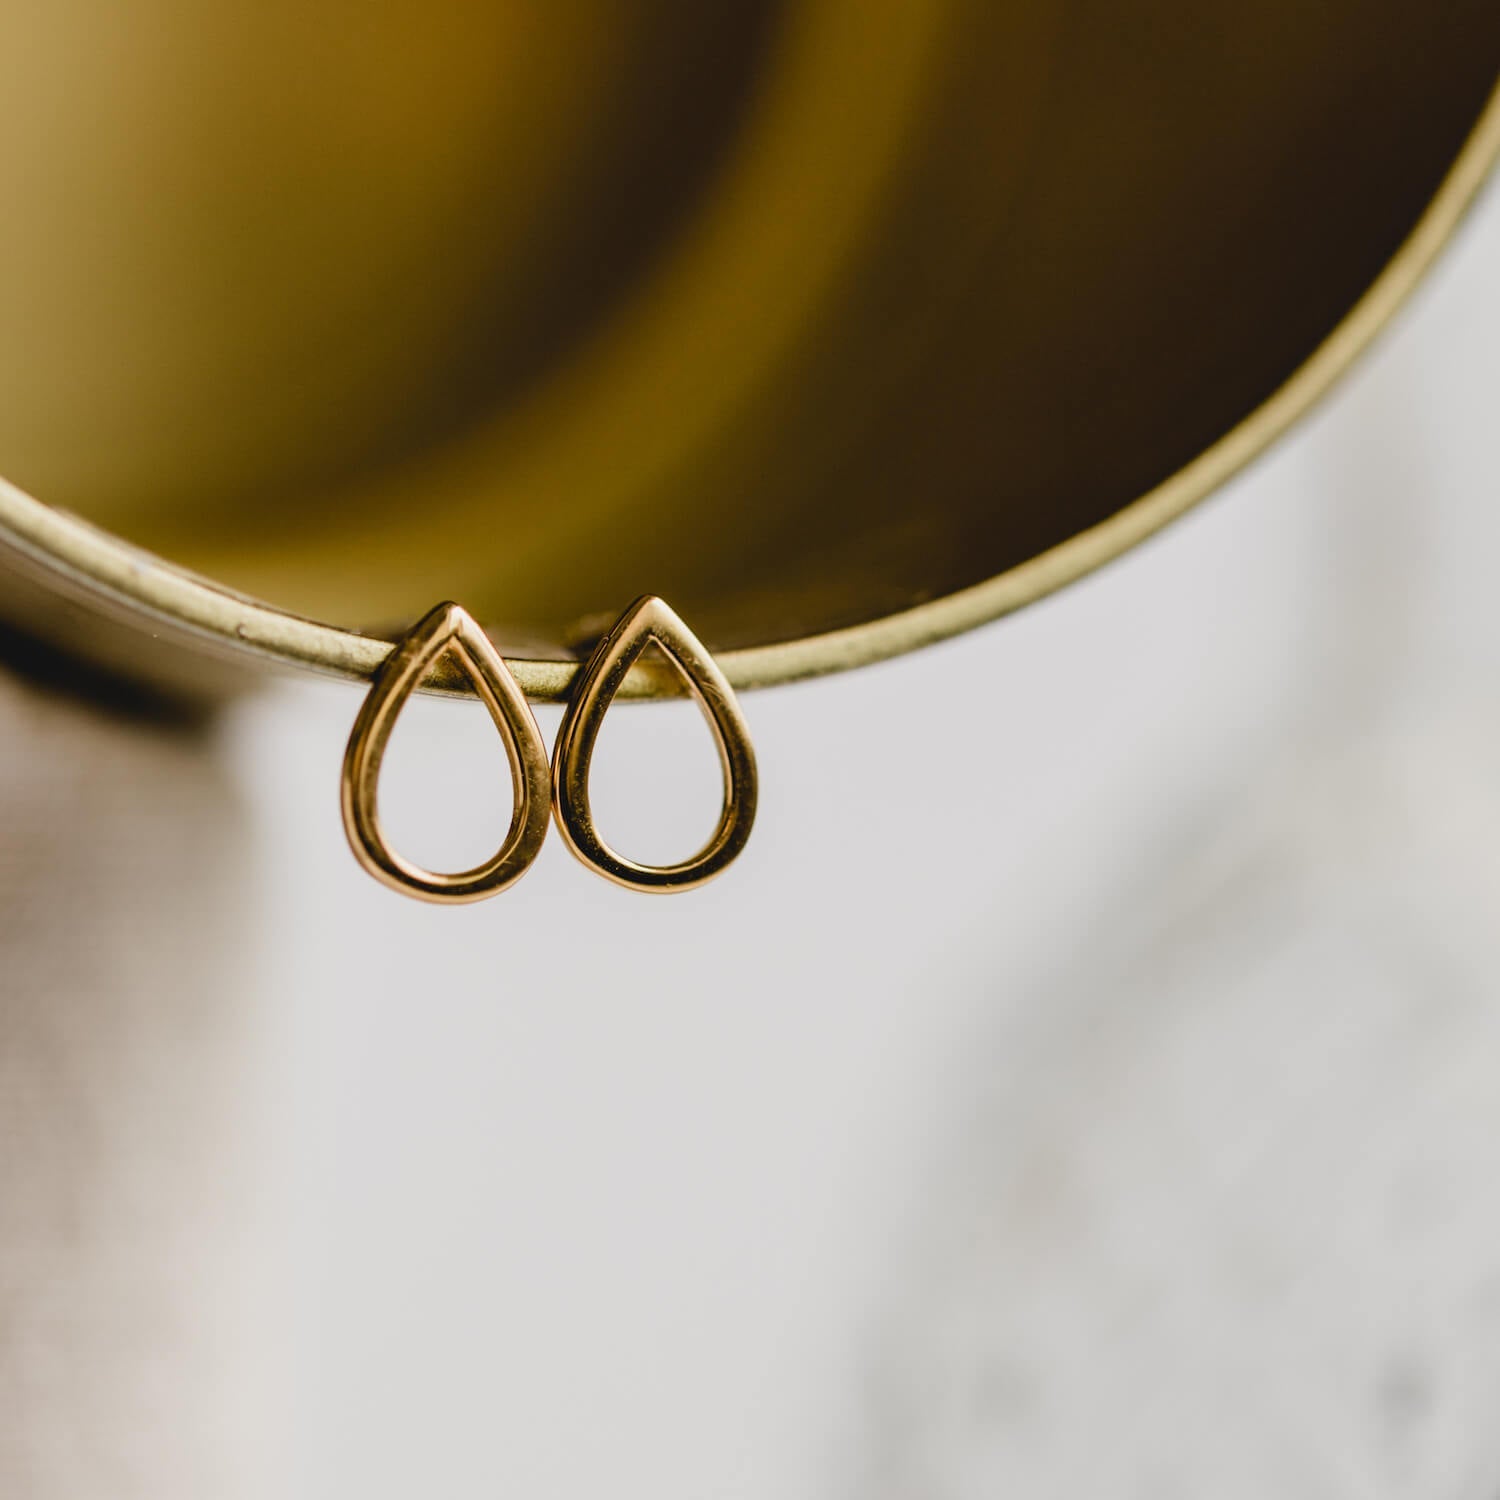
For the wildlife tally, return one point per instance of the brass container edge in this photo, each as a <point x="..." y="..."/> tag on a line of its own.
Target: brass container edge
<point x="73" y="580"/>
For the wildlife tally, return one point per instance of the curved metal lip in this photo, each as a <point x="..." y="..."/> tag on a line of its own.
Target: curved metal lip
<point x="100" y="563"/>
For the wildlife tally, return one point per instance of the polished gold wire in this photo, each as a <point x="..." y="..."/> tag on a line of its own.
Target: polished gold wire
<point x="650" y="620"/>
<point x="447" y="630"/>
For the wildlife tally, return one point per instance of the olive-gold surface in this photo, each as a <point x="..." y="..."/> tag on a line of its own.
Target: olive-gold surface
<point x="845" y="326"/>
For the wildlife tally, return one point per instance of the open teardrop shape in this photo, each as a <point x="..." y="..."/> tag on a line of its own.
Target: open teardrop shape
<point x="651" y="619"/>
<point x="452" y="630"/>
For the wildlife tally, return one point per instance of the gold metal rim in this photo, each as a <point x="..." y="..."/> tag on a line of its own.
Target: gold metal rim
<point x="101" y="563"/>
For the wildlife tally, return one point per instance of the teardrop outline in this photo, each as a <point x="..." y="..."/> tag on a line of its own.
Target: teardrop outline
<point x="448" y="629"/>
<point x="652" y="619"/>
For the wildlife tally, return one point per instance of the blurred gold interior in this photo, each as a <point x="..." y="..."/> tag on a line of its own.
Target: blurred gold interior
<point x="796" y="313"/>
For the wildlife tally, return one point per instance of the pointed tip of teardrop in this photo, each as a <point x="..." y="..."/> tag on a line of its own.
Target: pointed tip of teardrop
<point x="648" y="609"/>
<point x="445" y="620"/>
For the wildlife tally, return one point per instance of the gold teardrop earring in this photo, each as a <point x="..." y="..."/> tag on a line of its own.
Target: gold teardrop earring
<point x="650" y="620"/>
<point x="450" y="630"/>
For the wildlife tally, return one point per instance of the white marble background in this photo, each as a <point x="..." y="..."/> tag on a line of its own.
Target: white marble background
<point x="1088" y="1084"/>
